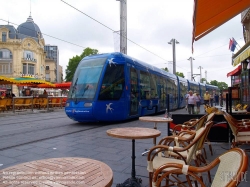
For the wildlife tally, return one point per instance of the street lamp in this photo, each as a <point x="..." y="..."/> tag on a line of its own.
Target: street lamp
<point x="191" y="62"/>
<point x="244" y="64"/>
<point x="173" y="42"/>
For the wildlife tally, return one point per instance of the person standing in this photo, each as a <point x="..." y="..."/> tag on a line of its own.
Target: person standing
<point x="191" y="102"/>
<point x="206" y="98"/>
<point x="216" y="98"/>
<point x="198" y="102"/>
<point x="212" y="100"/>
<point x="45" y="92"/>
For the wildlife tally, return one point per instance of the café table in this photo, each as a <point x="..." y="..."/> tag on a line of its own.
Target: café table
<point x="156" y="120"/>
<point x="58" y="172"/>
<point x="133" y="133"/>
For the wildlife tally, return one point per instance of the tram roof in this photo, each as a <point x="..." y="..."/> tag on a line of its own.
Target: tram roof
<point x="137" y="62"/>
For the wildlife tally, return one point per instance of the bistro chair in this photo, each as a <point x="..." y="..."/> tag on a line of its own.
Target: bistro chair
<point x="195" y="124"/>
<point x="231" y="170"/>
<point x="9" y="104"/>
<point x="240" y="130"/>
<point x="18" y="103"/>
<point x="190" y="124"/>
<point x="160" y="154"/>
<point x="180" y="141"/>
<point x="3" y="103"/>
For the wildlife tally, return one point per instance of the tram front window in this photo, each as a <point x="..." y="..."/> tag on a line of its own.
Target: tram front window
<point x="113" y="83"/>
<point x="86" y="79"/>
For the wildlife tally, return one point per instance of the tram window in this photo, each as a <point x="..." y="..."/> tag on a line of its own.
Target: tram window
<point x="145" y="85"/>
<point x="153" y="80"/>
<point x="113" y="83"/>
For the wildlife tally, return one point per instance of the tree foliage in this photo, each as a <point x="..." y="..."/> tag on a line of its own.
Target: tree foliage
<point x="165" y="69"/>
<point x="73" y="62"/>
<point x="180" y="74"/>
<point x="203" y="80"/>
<point x="221" y="85"/>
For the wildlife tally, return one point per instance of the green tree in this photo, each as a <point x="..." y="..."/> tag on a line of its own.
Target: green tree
<point x="214" y="82"/>
<point x="180" y="74"/>
<point x="221" y="85"/>
<point x="165" y="69"/>
<point x="73" y="62"/>
<point x="203" y="80"/>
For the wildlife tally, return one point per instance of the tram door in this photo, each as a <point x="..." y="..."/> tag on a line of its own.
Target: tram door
<point x="134" y="92"/>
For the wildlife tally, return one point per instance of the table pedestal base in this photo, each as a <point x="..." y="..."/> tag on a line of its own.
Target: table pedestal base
<point x="131" y="182"/>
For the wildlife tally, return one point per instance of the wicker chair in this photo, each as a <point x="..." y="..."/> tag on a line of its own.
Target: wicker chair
<point x="195" y="124"/>
<point x="190" y="124"/>
<point x="231" y="170"/>
<point x="156" y="158"/>
<point x="240" y="130"/>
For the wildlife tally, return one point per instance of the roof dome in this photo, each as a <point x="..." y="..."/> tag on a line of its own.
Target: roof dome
<point x="28" y="29"/>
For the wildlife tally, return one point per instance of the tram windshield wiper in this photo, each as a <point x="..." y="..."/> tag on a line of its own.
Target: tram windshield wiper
<point x="85" y="89"/>
<point x="74" y="90"/>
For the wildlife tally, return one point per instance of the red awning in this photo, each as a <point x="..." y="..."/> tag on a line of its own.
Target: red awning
<point x="210" y="14"/>
<point x="63" y="85"/>
<point x="235" y="72"/>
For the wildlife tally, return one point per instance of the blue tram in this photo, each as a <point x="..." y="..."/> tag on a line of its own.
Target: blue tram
<point x="115" y="87"/>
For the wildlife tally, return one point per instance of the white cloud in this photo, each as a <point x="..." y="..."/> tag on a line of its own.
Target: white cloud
<point x="151" y="24"/>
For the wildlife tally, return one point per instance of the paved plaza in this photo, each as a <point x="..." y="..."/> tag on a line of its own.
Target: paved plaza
<point x="41" y="135"/>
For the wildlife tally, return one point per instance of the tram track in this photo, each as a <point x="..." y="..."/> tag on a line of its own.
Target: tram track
<point x="8" y="121"/>
<point x="18" y="131"/>
<point x="47" y="138"/>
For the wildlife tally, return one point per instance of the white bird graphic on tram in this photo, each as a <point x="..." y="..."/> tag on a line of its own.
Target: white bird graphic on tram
<point x="108" y="108"/>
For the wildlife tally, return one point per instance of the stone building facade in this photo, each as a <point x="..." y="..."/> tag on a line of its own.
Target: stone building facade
<point x="22" y="52"/>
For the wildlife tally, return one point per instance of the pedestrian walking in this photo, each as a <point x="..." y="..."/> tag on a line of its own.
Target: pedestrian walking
<point x="198" y="102"/>
<point x="206" y="98"/>
<point x="216" y="98"/>
<point x="191" y="102"/>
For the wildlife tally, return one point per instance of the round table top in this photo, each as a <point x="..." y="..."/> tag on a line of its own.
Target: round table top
<point x="133" y="133"/>
<point x="155" y="119"/>
<point x="63" y="172"/>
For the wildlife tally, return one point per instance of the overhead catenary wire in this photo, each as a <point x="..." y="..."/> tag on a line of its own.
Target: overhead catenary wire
<point x="198" y="56"/>
<point x="113" y="30"/>
<point x="44" y="34"/>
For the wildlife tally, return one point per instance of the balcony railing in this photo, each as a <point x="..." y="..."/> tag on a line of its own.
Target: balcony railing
<point x="29" y="59"/>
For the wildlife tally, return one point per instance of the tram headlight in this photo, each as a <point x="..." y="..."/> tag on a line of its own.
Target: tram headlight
<point x="67" y="104"/>
<point x="87" y="104"/>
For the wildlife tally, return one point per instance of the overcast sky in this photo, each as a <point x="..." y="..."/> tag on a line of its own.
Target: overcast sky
<point x="150" y="24"/>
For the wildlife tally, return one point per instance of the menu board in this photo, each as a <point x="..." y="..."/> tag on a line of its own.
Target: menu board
<point x="224" y="93"/>
<point x="235" y="93"/>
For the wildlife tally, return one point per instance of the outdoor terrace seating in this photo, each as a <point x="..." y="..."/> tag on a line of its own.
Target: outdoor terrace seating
<point x="3" y="103"/>
<point x="231" y="170"/>
<point x="56" y="102"/>
<point x="181" y="155"/>
<point x="240" y="130"/>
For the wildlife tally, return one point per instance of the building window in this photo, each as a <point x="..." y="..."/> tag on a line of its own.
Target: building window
<point x="28" y="55"/>
<point x="47" y="67"/>
<point x="5" y="68"/>
<point x="25" y="69"/>
<point x="5" y="54"/>
<point x="4" y="37"/>
<point x="29" y="69"/>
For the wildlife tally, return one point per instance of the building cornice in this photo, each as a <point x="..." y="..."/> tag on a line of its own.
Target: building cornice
<point x="241" y="49"/>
